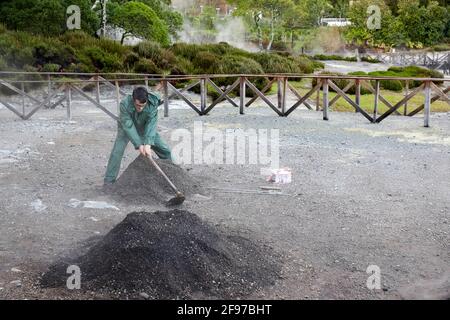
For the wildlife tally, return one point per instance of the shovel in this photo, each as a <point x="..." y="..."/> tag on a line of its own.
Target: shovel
<point x="179" y="197"/>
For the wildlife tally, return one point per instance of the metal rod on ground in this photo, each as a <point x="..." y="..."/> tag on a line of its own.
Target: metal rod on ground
<point x="166" y="98"/>
<point x="377" y="96"/>
<point x="325" y="99"/>
<point x="270" y="188"/>
<point x="427" y="104"/>
<point x="242" y="95"/>
<point x="249" y="191"/>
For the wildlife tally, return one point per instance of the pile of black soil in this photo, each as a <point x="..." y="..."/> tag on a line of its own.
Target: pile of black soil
<point x="142" y="183"/>
<point x="171" y="255"/>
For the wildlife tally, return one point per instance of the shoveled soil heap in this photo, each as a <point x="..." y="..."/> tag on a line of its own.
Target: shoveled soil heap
<point x="171" y="255"/>
<point x="142" y="183"/>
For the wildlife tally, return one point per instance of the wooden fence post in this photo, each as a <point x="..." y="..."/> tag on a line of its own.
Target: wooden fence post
<point x="49" y="88"/>
<point x="358" y="93"/>
<point x="377" y="97"/>
<point x="242" y="95"/>
<point x="69" y="102"/>
<point x="325" y="99"/>
<point x="283" y="101"/>
<point x="22" y="86"/>
<point x="405" y="112"/>
<point x="203" y="93"/>
<point x="318" y="99"/>
<point x="166" y="98"/>
<point x="427" y="104"/>
<point x="118" y="97"/>
<point x="97" y="88"/>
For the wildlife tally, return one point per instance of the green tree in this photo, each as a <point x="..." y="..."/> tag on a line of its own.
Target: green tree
<point x="47" y="17"/>
<point x="315" y="9"/>
<point x="266" y="15"/>
<point x="90" y="21"/>
<point x="423" y="24"/>
<point x="138" y="19"/>
<point x="172" y="18"/>
<point x="41" y="16"/>
<point x="339" y="8"/>
<point x="390" y="34"/>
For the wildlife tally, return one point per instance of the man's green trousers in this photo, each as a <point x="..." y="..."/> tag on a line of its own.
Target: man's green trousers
<point x="161" y="149"/>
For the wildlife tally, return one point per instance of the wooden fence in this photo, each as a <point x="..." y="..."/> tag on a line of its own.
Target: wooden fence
<point x="61" y="86"/>
<point x="432" y="60"/>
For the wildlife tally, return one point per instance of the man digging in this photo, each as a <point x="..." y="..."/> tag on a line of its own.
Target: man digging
<point x="137" y="123"/>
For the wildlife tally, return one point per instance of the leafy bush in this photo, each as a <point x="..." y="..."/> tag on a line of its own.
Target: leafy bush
<point x="16" y="53"/>
<point x="182" y="66"/>
<point x="334" y="57"/>
<point x="234" y="64"/>
<point x="110" y="46"/>
<point x="101" y="60"/>
<point x="363" y="90"/>
<point x="130" y="59"/>
<point x="416" y="72"/>
<point x="341" y="83"/>
<point x="167" y="60"/>
<point x="185" y="50"/>
<point x="370" y="60"/>
<point x="274" y="63"/>
<point x="206" y="61"/>
<point x="149" y="49"/>
<point x="3" y="64"/>
<point x="307" y="65"/>
<point x="146" y="66"/>
<point x="441" y="47"/>
<point x="77" y="39"/>
<point x="393" y="85"/>
<point x="53" y="52"/>
<point x="51" y="67"/>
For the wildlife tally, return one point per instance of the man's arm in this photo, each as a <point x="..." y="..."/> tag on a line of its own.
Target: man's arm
<point x="150" y="127"/>
<point x="128" y="126"/>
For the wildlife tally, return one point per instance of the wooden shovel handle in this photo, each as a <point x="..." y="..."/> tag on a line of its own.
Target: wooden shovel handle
<point x="150" y="159"/>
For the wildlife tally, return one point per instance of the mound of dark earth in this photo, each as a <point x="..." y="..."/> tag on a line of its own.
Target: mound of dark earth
<point x="171" y="255"/>
<point x="142" y="183"/>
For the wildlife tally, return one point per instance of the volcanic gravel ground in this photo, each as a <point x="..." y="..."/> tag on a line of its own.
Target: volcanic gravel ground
<point x="142" y="183"/>
<point x="170" y="255"/>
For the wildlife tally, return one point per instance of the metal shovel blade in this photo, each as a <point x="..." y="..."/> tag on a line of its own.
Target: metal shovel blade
<point x="179" y="197"/>
<point x="177" y="200"/>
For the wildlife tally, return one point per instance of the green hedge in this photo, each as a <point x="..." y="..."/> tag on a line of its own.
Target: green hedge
<point x="76" y="51"/>
<point x="341" y="83"/>
<point x="393" y="85"/>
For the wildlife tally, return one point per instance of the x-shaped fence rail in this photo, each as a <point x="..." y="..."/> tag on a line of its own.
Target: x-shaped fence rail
<point x="63" y="89"/>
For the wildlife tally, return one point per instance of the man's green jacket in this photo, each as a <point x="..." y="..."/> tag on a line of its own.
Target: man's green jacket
<point x="140" y="127"/>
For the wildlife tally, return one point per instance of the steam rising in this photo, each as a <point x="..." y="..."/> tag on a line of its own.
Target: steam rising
<point x="229" y="28"/>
